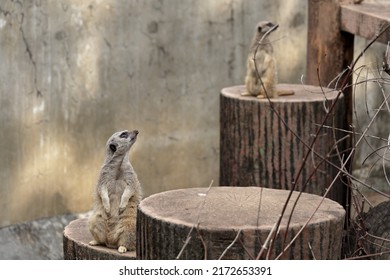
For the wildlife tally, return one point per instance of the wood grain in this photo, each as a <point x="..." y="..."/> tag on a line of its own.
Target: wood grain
<point x="76" y="237"/>
<point x="212" y="219"/>
<point x="329" y="49"/>
<point x="257" y="148"/>
<point x="366" y="20"/>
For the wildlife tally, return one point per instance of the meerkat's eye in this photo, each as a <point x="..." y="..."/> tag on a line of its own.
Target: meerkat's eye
<point x="124" y="134"/>
<point x="259" y="29"/>
<point x="113" y="148"/>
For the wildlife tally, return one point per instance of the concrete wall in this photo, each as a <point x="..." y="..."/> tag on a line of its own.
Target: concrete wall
<point x="72" y="72"/>
<point x="371" y="116"/>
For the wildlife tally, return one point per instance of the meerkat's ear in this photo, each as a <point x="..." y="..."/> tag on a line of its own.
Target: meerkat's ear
<point x="113" y="148"/>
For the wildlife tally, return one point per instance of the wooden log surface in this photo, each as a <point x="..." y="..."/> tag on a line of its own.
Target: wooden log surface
<point x="329" y="50"/>
<point x="198" y="223"/>
<point x="377" y="238"/>
<point x="76" y="237"/>
<point x="366" y="20"/>
<point x="257" y="148"/>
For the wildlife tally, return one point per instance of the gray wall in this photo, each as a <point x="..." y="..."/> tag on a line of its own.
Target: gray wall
<point x="73" y="72"/>
<point x="371" y="115"/>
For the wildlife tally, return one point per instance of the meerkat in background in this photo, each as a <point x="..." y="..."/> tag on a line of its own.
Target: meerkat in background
<point x="261" y="77"/>
<point x="117" y="195"/>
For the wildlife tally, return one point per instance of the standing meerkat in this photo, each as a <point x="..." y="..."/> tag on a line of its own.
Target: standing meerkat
<point x="261" y="77"/>
<point x="117" y="195"/>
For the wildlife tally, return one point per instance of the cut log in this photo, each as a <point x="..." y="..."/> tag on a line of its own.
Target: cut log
<point x="264" y="146"/>
<point x="234" y="223"/>
<point x="377" y="237"/>
<point x="76" y="237"/>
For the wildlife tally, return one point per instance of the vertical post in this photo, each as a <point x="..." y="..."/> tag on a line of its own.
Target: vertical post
<point x="329" y="50"/>
<point x="329" y="53"/>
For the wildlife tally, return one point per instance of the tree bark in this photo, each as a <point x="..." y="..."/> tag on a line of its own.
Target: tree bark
<point x="377" y="238"/>
<point x="76" y="237"/>
<point x="258" y="146"/>
<point x="234" y="223"/>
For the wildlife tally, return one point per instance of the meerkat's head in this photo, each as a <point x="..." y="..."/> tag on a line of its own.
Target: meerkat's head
<point x="120" y="142"/>
<point x="265" y="27"/>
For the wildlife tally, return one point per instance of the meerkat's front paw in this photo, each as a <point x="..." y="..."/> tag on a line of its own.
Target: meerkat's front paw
<point x="245" y="93"/>
<point x="93" y="243"/>
<point x="107" y="211"/>
<point x="260" y="96"/>
<point x="122" y="249"/>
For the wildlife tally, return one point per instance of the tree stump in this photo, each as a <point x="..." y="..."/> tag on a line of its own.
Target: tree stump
<point x="234" y="223"/>
<point x="377" y="235"/>
<point x="76" y="237"/>
<point x="259" y="148"/>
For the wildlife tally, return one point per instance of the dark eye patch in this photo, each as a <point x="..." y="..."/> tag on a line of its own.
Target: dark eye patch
<point x="124" y="134"/>
<point x="113" y="148"/>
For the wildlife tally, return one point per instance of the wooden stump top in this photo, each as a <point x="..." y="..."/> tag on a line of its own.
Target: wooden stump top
<point x="302" y="93"/>
<point x="76" y="247"/>
<point x="235" y="223"/>
<point x="227" y="208"/>
<point x="264" y="145"/>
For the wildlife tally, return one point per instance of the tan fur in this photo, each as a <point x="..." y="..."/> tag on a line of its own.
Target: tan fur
<point x="261" y="62"/>
<point x="117" y="195"/>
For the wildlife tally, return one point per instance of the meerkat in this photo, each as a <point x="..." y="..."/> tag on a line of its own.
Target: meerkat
<point x="117" y="195"/>
<point x="261" y="77"/>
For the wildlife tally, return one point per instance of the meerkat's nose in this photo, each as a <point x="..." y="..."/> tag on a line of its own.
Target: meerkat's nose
<point x="270" y="24"/>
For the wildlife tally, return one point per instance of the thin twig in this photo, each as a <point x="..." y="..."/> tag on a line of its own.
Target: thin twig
<point x="311" y="251"/>
<point x="230" y="245"/>
<point x="309" y="219"/>
<point x="299" y="195"/>
<point x="185" y="243"/>
<point x="265" y="245"/>
<point x="368" y="255"/>
<point x="203" y="242"/>
<point x="196" y="224"/>
<point x="252" y="257"/>
<point x="354" y="133"/>
<point x="344" y="84"/>
<point x="342" y="170"/>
